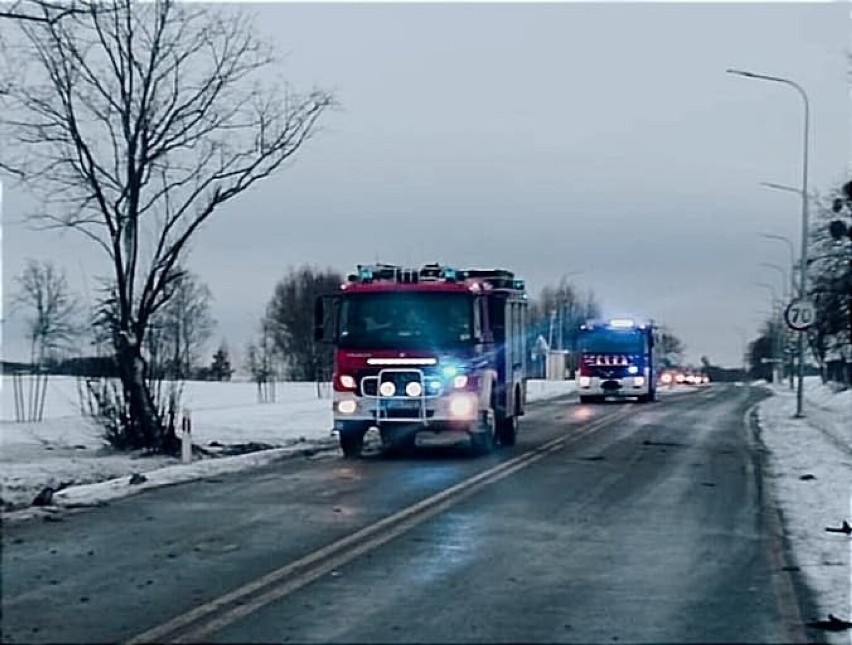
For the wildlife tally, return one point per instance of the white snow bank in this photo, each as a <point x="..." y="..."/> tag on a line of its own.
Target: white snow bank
<point x="819" y="448"/>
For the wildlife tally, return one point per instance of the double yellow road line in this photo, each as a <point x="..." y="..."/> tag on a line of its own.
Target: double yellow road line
<point x="199" y="623"/>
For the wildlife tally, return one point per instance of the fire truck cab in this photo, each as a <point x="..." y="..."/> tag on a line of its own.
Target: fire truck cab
<point x="435" y="350"/>
<point x="617" y="359"/>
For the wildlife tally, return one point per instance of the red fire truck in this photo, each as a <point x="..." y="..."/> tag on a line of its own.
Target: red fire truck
<point x="433" y="351"/>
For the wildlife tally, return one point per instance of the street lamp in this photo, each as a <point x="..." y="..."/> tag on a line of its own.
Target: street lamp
<point x="787" y="288"/>
<point x="789" y="189"/>
<point x="775" y="297"/>
<point x="786" y="240"/>
<point x="804" y="255"/>
<point x="743" y="351"/>
<point x="784" y="287"/>
<point x="776" y="309"/>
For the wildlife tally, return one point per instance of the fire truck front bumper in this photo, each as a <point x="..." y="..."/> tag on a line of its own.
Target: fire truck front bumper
<point x="626" y="386"/>
<point x="454" y="411"/>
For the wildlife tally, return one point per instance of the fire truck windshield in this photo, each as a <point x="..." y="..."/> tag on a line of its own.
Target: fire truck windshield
<point x="607" y="340"/>
<point x="390" y="320"/>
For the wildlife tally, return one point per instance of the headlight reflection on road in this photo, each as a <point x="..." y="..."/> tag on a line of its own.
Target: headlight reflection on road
<point x="582" y="413"/>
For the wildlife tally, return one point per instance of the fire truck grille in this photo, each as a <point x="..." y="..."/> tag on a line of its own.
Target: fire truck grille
<point x="431" y="383"/>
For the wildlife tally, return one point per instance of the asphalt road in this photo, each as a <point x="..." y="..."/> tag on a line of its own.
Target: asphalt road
<point x="606" y="523"/>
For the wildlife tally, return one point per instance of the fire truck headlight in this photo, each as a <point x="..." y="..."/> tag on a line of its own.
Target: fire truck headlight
<point x="347" y="381"/>
<point x="585" y="381"/>
<point x="460" y="381"/>
<point x="632" y="369"/>
<point x="638" y="381"/>
<point x="414" y="389"/>
<point x="387" y="389"/>
<point x="462" y="406"/>
<point x="346" y="407"/>
<point x="450" y="370"/>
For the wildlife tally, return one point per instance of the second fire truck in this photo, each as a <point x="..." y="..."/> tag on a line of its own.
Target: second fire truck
<point x="435" y="350"/>
<point x="617" y="360"/>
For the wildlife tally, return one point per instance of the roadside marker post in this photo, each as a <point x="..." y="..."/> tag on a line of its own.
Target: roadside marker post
<point x="186" y="437"/>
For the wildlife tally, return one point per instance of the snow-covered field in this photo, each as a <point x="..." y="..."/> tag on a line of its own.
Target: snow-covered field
<point x="810" y="466"/>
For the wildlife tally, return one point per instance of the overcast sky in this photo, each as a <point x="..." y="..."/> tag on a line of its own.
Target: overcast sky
<point x="548" y="139"/>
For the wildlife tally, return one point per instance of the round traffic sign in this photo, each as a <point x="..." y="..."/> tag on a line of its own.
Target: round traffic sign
<point x="800" y="314"/>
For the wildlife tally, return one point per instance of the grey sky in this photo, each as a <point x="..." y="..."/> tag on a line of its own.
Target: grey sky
<point x="602" y="138"/>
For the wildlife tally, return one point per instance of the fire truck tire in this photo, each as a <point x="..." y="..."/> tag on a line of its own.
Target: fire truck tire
<point x="482" y="439"/>
<point x="352" y="441"/>
<point x="507" y="430"/>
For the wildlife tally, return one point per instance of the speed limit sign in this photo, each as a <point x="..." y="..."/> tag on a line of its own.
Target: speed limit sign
<point x="800" y="314"/>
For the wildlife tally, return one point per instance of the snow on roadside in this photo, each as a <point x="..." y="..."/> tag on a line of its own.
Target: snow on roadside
<point x="810" y="466"/>
<point x="66" y="451"/>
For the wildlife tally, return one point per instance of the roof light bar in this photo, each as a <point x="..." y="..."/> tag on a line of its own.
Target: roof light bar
<point x="621" y="323"/>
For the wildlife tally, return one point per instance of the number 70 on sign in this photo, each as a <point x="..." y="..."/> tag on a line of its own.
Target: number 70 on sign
<point x="800" y="314"/>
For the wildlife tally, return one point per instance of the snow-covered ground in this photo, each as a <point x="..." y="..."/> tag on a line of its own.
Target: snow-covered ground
<point x="810" y="466"/>
<point x="65" y="450"/>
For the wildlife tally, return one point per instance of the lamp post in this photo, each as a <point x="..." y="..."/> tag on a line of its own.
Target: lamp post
<point x="789" y="243"/>
<point x="792" y="288"/>
<point x="786" y="294"/>
<point x="775" y="317"/>
<point x="784" y="288"/>
<point x="804" y="253"/>
<point x="743" y="351"/>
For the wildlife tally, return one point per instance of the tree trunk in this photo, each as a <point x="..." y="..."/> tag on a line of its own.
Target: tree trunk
<point x="144" y="425"/>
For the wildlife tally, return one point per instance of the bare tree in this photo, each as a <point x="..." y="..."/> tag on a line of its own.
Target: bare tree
<point x="43" y="289"/>
<point x="556" y="315"/>
<point x="135" y="123"/>
<point x="45" y="11"/>
<point x="184" y="325"/>
<point x="290" y="318"/>
<point x="261" y="362"/>
<point x="670" y="347"/>
<point x="44" y="292"/>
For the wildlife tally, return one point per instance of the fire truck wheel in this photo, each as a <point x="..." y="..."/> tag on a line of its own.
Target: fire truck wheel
<point x="507" y="430"/>
<point x="352" y="441"/>
<point x="483" y="438"/>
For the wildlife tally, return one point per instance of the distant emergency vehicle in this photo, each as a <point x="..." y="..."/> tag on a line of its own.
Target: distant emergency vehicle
<point x="616" y="360"/>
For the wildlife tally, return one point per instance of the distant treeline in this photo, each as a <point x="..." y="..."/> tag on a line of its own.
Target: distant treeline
<point x="106" y="367"/>
<point x="91" y="366"/>
<point x="723" y="374"/>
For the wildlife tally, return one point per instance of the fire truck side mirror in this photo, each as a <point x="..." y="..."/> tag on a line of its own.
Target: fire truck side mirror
<point x="325" y="308"/>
